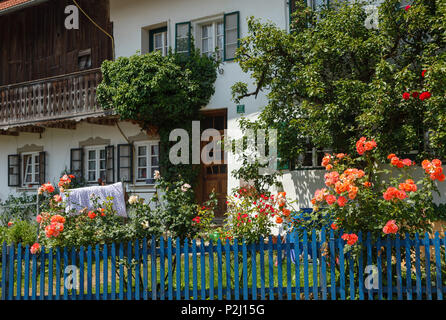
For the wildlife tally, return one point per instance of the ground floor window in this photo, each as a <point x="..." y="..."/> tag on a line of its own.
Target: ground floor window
<point x="147" y="161"/>
<point x="31" y="168"/>
<point x="96" y="164"/>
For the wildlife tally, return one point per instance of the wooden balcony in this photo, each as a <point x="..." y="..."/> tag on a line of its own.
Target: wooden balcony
<point x="71" y="97"/>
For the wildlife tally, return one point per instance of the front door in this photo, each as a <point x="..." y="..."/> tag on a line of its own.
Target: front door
<point x="214" y="177"/>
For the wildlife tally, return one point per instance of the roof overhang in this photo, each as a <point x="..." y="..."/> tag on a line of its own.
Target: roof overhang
<point x="14" y="5"/>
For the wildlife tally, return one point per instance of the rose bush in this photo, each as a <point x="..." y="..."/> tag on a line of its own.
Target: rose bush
<point x="172" y="211"/>
<point x="251" y="215"/>
<point x="361" y="194"/>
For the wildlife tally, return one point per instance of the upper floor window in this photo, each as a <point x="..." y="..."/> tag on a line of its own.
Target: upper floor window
<point x="183" y="37"/>
<point x="212" y="39"/>
<point x="158" y="40"/>
<point x="219" y="36"/>
<point x="84" y="59"/>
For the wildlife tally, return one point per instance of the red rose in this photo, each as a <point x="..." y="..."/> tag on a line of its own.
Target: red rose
<point x="407" y="7"/>
<point x="406" y="95"/>
<point x="425" y="95"/>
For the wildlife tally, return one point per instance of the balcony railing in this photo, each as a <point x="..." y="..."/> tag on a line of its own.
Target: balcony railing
<point x="62" y="97"/>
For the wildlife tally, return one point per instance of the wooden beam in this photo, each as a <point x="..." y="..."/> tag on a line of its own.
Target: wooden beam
<point x="103" y="121"/>
<point x="30" y="129"/>
<point x="8" y="133"/>
<point x="69" y="125"/>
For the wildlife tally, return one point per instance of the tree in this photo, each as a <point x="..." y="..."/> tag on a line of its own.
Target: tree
<point x="333" y="79"/>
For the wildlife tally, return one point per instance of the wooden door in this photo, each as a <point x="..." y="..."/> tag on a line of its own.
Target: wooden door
<point x="214" y="177"/>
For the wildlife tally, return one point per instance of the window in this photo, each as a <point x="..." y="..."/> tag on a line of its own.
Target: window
<point x="219" y="35"/>
<point x="96" y="164"/>
<point x="31" y="168"/>
<point x="212" y="39"/>
<point x="158" y="40"/>
<point x="311" y="158"/>
<point x="26" y="169"/>
<point x="147" y="161"/>
<point x="183" y="37"/>
<point x="84" y="59"/>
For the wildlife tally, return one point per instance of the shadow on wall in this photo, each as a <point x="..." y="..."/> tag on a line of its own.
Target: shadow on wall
<point x="301" y="185"/>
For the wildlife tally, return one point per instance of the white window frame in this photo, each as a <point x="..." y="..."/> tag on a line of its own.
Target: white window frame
<point x="34" y="171"/>
<point x="148" y="156"/>
<point x="214" y="32"/>
<point x="97" y="160"/>
<point x="165" y="43"/>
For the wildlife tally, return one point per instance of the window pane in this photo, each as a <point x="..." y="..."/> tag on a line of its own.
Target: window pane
<point x="182" y="37"/>
<point x="92" y="154"/>
<point x="220" y="28"/>
<point x="158" y="39"/>
<point x="102" y="154"/>
<point x="154" y="161"/>
<point x="182" y="30"/>
<point x="102" y="165"/>
<point x="142" y="173"/>
<point x="91" y="175"/>
<point x="142" y="151"/>
<point x="154" y="150"/>
<point x="91" y="165"/>
<point x="205" y="46"/>
<point x="206" y="31"/>
<point x="142" y="162"/>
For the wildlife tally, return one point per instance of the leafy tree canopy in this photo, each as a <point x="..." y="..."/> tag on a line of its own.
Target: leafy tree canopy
<point x="334" y="79"/>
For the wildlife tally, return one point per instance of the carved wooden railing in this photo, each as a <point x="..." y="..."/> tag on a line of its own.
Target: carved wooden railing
<point x="61" y="97"/>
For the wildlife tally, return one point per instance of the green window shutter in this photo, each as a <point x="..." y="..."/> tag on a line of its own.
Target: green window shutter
<point x="125" y="163"/>
<point x="110" y="164"/>
<point x="14" y="170"/>
<point x="42" y="165"/>
<point x="183" y="37"/>
<point x="152" y="33"/>
<point x="77" y="162"/>
<point x="231" y="25"/>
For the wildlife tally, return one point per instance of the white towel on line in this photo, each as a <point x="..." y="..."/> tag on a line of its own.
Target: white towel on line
<point x="80" y="198"/>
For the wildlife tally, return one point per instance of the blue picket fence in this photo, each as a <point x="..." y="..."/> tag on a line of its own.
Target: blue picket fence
<point x="170" y="269"/>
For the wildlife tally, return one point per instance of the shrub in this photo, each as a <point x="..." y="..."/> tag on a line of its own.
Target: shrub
<point x="252" y="215"/>
<point x="18" y="208"/>
<point x="23" y="232"/>
<point x="362" y="195"/>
